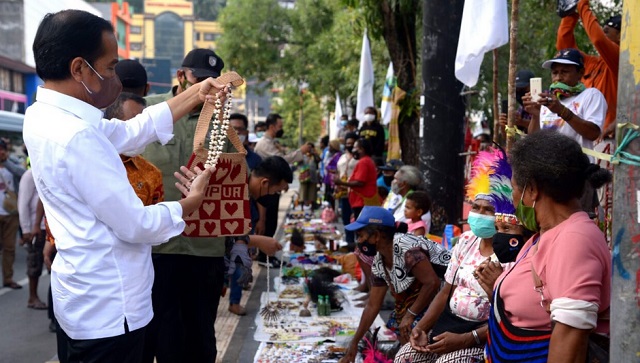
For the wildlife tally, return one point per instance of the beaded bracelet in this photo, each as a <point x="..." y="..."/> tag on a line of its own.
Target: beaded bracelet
<point x="564" y="112"/>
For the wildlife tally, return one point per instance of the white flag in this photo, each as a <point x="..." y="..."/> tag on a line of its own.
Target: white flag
<point x="365" y="80"/>
<point x="387" y="96"/>
<point x="334" y="126"/>
<point x="484" y="27"/>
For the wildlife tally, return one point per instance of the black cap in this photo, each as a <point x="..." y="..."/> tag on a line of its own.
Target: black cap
<point x="391" y="165"/>
<point x="131" y="73"/>
<point x="566" y="56"/>
<point x="522" y="78"/>
<point x="203" y="63"/>
<point x="615" y="22"/>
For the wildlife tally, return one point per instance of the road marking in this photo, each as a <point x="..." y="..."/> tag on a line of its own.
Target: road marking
<point x="22" y="282"/>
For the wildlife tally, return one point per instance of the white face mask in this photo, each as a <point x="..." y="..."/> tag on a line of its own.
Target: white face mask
<point x="242" y="138"/>
<point x="369" y="117"/>
<point x="135" y="152"/>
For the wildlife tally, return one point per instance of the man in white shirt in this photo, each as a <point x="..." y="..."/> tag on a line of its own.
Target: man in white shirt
<point x="102" y="275"/>
<point x="568" y="106"/>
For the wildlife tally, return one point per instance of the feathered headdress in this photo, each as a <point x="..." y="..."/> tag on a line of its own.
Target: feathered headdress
<point x="501" y="195"/>
<point x="479" y="183"/>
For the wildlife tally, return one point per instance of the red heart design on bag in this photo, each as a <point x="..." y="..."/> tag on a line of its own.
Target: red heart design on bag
<point x="231" y="226"/>
<point x="235" y="171"/>
<point x="231" y="208"/>
<point x="210" y="226"/>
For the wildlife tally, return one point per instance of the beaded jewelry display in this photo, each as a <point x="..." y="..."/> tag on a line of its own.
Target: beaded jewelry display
<point x="218" y="133"/>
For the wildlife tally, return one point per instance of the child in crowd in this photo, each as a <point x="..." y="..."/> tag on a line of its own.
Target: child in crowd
<point x="417" y="204"/>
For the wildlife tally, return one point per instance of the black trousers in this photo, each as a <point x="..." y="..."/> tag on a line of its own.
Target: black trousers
<point x="125" y="348"/>
<point x="186" y="292"/>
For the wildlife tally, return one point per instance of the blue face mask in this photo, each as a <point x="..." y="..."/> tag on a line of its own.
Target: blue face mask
<point x="259" y="134"/>
<point x="343" y="123"/>
<point x="482" y="225"/>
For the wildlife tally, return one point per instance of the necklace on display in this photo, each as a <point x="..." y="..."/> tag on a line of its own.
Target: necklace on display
<point x="218" y="134"/>
<point x="270" y="312"/>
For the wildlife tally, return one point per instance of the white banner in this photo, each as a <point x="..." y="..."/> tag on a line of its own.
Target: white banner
<point x="365" y="80"/>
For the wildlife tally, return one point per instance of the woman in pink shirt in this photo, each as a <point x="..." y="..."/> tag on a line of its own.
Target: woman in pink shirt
<point x="558" y="291"/>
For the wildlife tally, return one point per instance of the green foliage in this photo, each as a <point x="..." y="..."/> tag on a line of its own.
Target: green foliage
<point x="289" y="109"/>
<point x="208" y="9"/>
<point x="318" y="42"/>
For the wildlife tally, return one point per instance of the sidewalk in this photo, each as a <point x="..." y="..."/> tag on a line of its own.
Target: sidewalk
<point x="234" y="334"/>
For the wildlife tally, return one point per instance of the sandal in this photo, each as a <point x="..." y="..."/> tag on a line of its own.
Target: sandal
<point x="13" y="285"/>
<point x="37" y="306"/>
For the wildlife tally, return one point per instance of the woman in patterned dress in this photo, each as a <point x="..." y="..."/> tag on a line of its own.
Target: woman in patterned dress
<point x="402" y="264"/>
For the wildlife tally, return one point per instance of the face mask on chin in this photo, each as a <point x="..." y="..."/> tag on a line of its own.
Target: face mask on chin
<point x="279" y="133"/>
<point x="110" y="89"/>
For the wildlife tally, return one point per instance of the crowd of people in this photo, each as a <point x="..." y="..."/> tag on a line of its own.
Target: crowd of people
<point x="107" y="198"/>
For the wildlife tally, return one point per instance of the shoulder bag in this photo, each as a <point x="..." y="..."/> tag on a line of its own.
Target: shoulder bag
<point x="225" y="210"/>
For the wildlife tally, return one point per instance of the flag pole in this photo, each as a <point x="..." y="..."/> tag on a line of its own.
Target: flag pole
<point x="513" y="57"/>
<point x="496" y="110"/>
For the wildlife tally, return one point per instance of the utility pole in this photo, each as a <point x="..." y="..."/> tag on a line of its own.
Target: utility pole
<point x="625" y="292"/>
<point x="442" y="115"/>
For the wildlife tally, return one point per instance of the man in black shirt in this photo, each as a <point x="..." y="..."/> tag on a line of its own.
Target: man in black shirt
<point x="373" y="130"/>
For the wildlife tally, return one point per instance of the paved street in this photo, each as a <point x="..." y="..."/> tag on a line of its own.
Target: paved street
<point x="25" y="332"/>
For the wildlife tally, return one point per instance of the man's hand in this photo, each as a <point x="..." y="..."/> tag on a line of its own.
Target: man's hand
<point x="266" y="244"/>
<point x="305" y="148"/>
<point x="26" y="238"/>
<point x="551" y="102"/>
<point x="608" y="133"/>
<point x="531" y="107"/>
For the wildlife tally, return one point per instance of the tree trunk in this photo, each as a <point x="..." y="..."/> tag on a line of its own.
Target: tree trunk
<point x="443" y="110"/>
<point x="625" y="289"/>
<point x="399" y="32"/>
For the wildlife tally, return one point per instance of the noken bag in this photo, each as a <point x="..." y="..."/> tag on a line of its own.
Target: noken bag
<point x="225" y="210"/>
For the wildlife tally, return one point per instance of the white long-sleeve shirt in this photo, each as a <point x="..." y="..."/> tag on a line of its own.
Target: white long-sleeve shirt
<point x="103" y="273"/>
<point x="28" y="202"/>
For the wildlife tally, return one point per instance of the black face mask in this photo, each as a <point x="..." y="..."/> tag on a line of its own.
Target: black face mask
<point x="279" y="133"/>
<point x="367" y="249"/>
<point x="356" y="154"/>
<point x="519" y="94"/>
<point x="387" y="179"/>
<point x="506" y="246"/>
<point x="349" y="148"/>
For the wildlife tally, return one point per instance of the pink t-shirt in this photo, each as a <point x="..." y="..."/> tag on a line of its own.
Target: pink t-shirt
<point x="574" y="263"/>
<point x="412" y="226"/>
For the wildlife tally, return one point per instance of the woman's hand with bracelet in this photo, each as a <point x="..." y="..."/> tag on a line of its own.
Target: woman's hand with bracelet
<point x="349" y="354"/>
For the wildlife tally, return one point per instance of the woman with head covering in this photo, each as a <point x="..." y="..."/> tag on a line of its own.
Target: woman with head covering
<point x="558" y="291"/>
<point x="511" y="234"/>
<point x="402" y="264"/>
<point x="454" y="327"/>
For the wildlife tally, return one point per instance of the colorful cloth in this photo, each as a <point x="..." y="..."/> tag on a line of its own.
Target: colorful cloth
<point x="145" y="179"/>
<point x="467" y="355"/>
